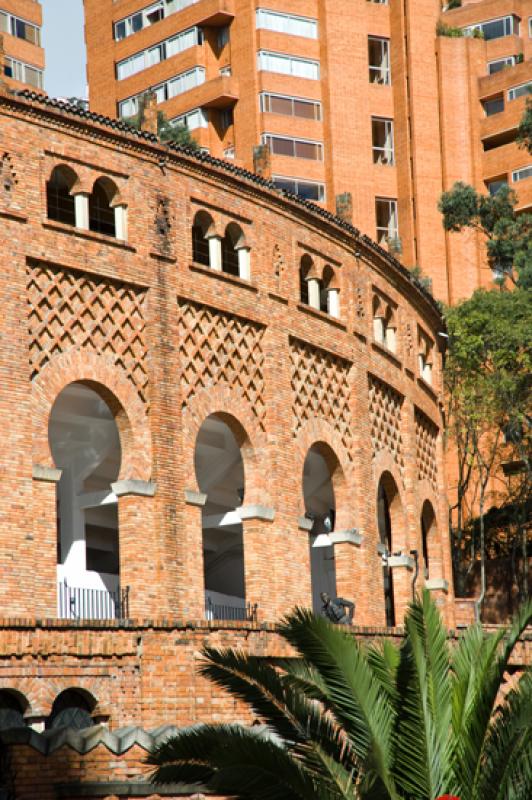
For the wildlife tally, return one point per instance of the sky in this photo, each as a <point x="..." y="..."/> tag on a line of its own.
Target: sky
<point x="64" y="47"/>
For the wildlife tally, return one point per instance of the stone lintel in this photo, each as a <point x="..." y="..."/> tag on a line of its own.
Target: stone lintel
<point x="130" y="486"/>
<point x="350" y="536"/>
<point x="193" y="498"/>
<point x="437" y="584"/>
<point x="401" y="561"/>
<point x="256" y="512"/>
<point x="305" y="524"/>
<point x="48" y="474"/>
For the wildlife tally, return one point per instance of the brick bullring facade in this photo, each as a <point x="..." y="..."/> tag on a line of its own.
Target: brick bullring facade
<point x="217" y="402"/>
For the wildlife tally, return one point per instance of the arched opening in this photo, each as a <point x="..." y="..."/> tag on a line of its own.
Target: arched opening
<point x="320" y="507"/>
<point x="329" y="293"/>
<point x="200" y="243"/>
<point x="101" y="211"/>
<point x="230" y="243"/>
<point x="220" y="475"/>
<point x="60" y="203"/>
<point x="12" y="708"/>
<point x="387" y="505"/>
<point x="85" y="445"/>
<point x="305" y="265"/>
<point x="428" y="523"/>
<point x="71" y="709"/>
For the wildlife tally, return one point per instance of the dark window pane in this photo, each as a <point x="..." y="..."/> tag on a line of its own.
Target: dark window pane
<point x="307" y="150"/>
<point x="60" y="203"/>
<point x="101" y="215"/>
<point x="200" y="246"/>
<point x="281" y="105"/>
<point x="305" y="110"/>
<point x="282" y="147"/>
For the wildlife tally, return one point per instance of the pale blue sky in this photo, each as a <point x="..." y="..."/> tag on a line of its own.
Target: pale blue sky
<point x="65" y="48"/>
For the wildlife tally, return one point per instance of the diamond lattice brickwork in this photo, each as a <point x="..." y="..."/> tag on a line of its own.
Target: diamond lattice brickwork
<point x="217" y="347"/>
<point x="75" y="310"/>
<point x="385" y="412"/>
<point x="320" y="383"/>
<point x="426" y="437"/>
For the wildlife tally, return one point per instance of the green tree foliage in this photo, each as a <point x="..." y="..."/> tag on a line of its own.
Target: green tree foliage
<point x="524" y="132"/>
<point x="344" y="721"/>
<point x="488" y="385"/>
<point x="166" y="131"/>
<point x="508" y="235"/>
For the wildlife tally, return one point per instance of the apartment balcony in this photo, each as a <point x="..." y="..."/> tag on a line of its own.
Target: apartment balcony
<point x="506" y="120"/>
<point x="490" y="85"/>
<point x="220" y="92"/>
<point x="215" y="13"/>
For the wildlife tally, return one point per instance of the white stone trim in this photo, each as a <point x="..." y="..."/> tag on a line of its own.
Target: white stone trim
<point x="437" y="584"/>
<point x="48" y="474"/>
<point x="131" y="486"/>
<point x="256" y="512"/>
<point x="351" y="536"/>
<point x="305" y="524"/>
<point x="401" y="561"/>
<point x="193" y="498"/>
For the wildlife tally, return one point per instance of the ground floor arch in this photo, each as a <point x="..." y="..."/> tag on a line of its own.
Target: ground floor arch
<point x="220" y="476"/>
<point x="389" y="512"/>
<point x="320" y="509"/>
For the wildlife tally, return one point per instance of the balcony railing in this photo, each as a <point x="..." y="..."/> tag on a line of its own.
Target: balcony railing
<point x="76" y="603"/>
<point x="245" y="613"/>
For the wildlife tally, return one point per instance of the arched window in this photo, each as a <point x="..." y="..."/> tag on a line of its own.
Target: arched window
<point x="12" y="707"/>
<point x="305" y="265"/>
<point x="230" y="243"/>
<point x="384" y="325"/>
<point x="329" y="293"/>
<point x="425" y="356"/>
<point x="60" y="202"/>
<point x="428" y="520"/>
<point x="71" y="709"/>
<point x="101" y="212"/>
<point x="200" y="244"/>
<point x="387" y="497"/>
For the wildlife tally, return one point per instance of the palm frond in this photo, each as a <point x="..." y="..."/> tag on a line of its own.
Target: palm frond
<point x="354" y="691"/>
<point x="423" y="747"/>
<point x="241" y="762"/>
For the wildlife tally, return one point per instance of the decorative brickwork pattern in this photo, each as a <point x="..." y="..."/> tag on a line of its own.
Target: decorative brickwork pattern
<point x="218" y="347"/>
<point x="320" y="384"/>
<point x="361" y="311"/>
<point x="8" y="177"/>
<point x="385" y="410"/>
<point x="426" y="437"/>
<point x="71" y="310"/>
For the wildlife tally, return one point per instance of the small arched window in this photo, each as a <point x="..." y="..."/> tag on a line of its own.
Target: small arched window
<point x="384" y="325"/>
<point x="101" y="211"/>
<point x="428" y="521"/>
<point x="71" y="709"/>
<point x="60" y="202"/>
<point x="12" y="709"/>
<point x="305" y="265"/>
<point x="425" y="355"/>
<point x="230" y="247"/>
<point x="200" y="243"/>
<point x="329" y="293"/>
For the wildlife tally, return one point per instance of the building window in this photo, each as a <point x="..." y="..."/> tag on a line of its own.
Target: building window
<point x="60" y="202"/>
<point x="290" y="106"/>
<point x="197" y="118"/>
<point x="307" y="190"/>
<point x="382" y="137"/>
<point x="226" y="71"/>
<point x="202" y="225"/>
<point x="520" y="91"/>
<point x="160" y="52"/>
<point x="71" y="709"/>
<point x="494" y="186"/>
<point x="386" y="220"/>
<point x="164" y="91"/>
<point x="287" y="23"/>
<point x="288" y="65"/>
<point x="500" y="64"/>
<point x="425" y="356"/>
<point x="493" y="106"/>
<point x="379" y="60"/>
<point x="384" y="322"/>
<point x="495" y="28"/>
<point x="295" y="148"/>
<point x="19" y="28"/>
<point x="379" y="2"/>
<point x="521" y="174"/>
<point x="101" y="213"/>
<point x="226" y="119"/>
<point x="23" y="73"/>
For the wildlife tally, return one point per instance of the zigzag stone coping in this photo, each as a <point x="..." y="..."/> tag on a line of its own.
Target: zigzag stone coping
<point x="83" y="741"/>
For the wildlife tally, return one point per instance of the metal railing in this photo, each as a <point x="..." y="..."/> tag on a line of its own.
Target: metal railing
<point x="245" y="613"/>
<point x="76" y="603"/>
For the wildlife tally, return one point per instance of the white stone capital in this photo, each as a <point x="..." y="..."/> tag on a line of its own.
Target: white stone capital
<point x="193" y="498"/>
<point x="351" y="536"/>
<point x="48" y="474"/>
<point x="256" y="512"/>
<point x="130" y="486"/>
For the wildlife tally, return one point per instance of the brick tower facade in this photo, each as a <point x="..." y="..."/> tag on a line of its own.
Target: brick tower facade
<point x="370" y="99"/>
<point x="217" y="402"/>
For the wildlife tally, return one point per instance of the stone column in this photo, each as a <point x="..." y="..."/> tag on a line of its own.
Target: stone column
<point x="314" y="293"/>
<point x="244" y="263"/>
<point x="257" y="527"/>
<point x="121" y="222"/>
<point x="348" y="563"/>
<point x="139" y="550"/>
<point x="215" y="252"/>
<point x="45" y="481"/>
<point x="333" y="302"/>
<point x="81" y="210"/>
<point x="191" y="594"/>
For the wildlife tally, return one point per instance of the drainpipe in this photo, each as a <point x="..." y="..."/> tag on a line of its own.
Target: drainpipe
<point x="414" y="553"/>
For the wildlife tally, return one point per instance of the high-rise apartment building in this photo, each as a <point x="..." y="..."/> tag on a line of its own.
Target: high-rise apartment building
<point x="20" y="32"/>
<point x="371" y="98"/>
